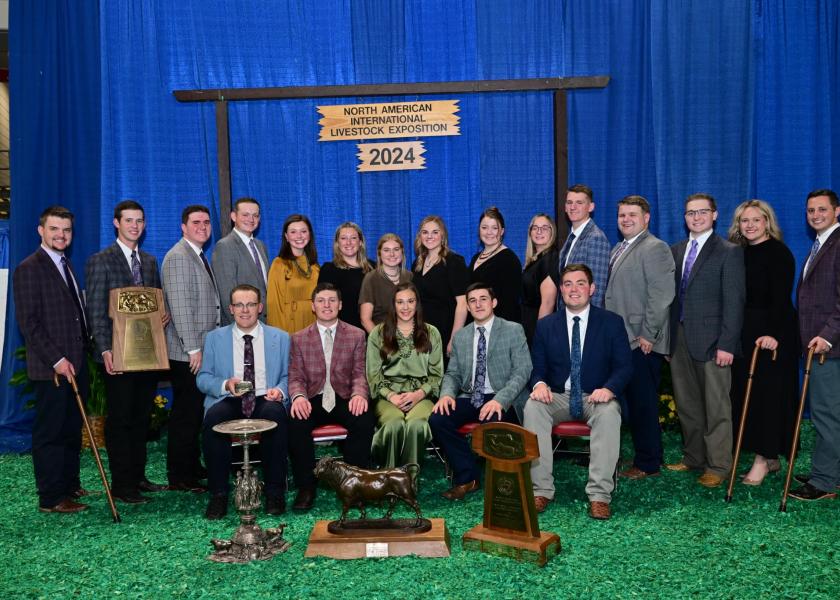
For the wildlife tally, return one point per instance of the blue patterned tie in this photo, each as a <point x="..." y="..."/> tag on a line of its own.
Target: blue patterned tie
<point x="564" y="253"/>
<point x="480" y="369"/>
<point x="136" y="274"/>
<point x="689" y="263"/>
<point x="576" y="394"/>
<point x="249" y="399"/>
<point x="814" y="250"/>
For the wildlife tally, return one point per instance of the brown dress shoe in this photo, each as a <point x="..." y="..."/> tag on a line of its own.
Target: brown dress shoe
<point x="679" y="467"/>
<point x="710" y="480"/>
<point x="304" y="500"/>
<point x="599" y="510"/>
<point x="541" y="502"/>
<point x="636" y="473"/>
<point x="80" y="493"/>
<point x="457" y="492"/>
<point x="65" y="506"/>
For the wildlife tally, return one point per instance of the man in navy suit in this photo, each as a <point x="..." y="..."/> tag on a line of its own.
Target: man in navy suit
<point x="818" y="297"/>
<point x="581" y="361"/>
<point x="246" y="350"/>
<point x="50" y="314"/>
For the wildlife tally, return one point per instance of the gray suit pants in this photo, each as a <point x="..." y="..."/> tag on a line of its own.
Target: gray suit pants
<point x="605" y="421"/>
<point x="824" y="393"/>
<point x="701" y="392"/>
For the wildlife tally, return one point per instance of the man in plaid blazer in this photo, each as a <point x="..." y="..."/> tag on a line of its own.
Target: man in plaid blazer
<point x="50" y="315"/>
<point x="192" y="301"/>
<point x="586" y="243"/>
<point x="818" y="297"/>
<point x="129" y="396"/>
<point x="342" y="399"/>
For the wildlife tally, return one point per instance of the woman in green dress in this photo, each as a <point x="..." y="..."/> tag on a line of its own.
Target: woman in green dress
<point x="404" y="370"/>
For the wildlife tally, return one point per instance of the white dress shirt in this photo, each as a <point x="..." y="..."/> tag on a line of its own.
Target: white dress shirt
<point x="258" y="344"/>
<point x="701" y="241"/>
<point x="570" y="323"/>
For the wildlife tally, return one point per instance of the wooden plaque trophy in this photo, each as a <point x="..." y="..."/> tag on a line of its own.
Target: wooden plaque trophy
<point x="138" y="342"/>
<point x="510" y="525"/>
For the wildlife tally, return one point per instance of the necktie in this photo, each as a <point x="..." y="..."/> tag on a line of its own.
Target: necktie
<point x="689" y="263"/>
<point x="68" y="277"/>
<point x="249" y="399"/>
<point x="564" y="253"/>
<point x="480" y="369"/>
<point x="328" y="397"/>
<point x="576" y="394"/>
<point x="207" y="267"/>
<point x="814" y="250"/>
<point x="615" y="258"/>
<point x="136" y="275"/>
<point x="256" y="256"/>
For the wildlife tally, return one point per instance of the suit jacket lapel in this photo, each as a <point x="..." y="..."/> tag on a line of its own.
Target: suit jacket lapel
<point x="245" y="255"/>
<point x="629" y="251"/>
<point x="58" y="277"/>
<point x="706" y="251"/>
<point x="824" y="250"/>
<point x="593" y="327"/>
<point x="121" y="263"/>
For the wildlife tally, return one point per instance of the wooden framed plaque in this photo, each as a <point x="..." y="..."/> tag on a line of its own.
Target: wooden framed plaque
<point x="510" y="526"/>
<point x="138" y="342"/>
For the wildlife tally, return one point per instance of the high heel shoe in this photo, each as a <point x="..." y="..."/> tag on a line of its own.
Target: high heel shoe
<point x="773" y="466"/>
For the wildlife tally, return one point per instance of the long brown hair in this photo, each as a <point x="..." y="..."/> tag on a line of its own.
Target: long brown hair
<point x="422" y="343"/>
<point x="286" y="248"/>
<point x="420" y="250"/>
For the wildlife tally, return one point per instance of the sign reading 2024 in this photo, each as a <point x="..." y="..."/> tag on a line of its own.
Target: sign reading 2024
<point x="389" y="120"/>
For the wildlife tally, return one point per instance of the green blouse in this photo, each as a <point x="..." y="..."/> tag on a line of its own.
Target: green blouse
<point x="407" y="370"/>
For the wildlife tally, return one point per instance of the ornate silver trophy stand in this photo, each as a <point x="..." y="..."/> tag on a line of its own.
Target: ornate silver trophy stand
<point x="249" y="541"/>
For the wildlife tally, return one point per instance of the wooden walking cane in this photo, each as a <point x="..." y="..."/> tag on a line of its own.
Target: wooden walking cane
<point x="792" y="455"/>
<point x="80" y="404"/>
<point x="747" y="393"/>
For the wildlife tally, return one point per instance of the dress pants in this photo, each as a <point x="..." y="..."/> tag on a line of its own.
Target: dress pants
<point x="57" y="438"/>
<point x="356" y="446"/>
<point x="454" y="445"/>
<point x="401" y="437"/>
<point x="273" y="444"/>
<point x="605" y="420"/>
<point x="130" y="399"/>
<point x="701" y="393"/>
<point x="824" y="386"/>
<point x="642" y="395"/>
<point x="182" y="448"/>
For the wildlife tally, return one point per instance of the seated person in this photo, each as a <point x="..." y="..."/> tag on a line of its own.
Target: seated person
<point x="484" y="378"/>
<point x="327" y="384"/>
<point x="566" y="388"/>
<point x="404" y="370"/>
<point x="245" y="350"/>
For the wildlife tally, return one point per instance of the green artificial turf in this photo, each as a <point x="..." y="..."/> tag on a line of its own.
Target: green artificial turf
<point x="668" y="538"/>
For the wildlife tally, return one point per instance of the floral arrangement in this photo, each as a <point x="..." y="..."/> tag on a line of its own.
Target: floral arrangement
<point x="160" y="412"/>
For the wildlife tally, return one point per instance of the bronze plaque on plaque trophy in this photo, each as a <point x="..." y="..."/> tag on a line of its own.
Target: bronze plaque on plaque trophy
<point x="138" y="342"/>
<point x="510" y="526"/>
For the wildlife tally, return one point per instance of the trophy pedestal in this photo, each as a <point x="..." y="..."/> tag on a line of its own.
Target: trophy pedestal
<point x="526" y="549"/>
<point x="430" y="544"/>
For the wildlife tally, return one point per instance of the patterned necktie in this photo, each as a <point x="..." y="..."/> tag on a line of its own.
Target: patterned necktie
<point x="564" y="253"/>
<point x="136" y="275"/>
<point x="328" y="397"/>
<point x="207" y="267"/>
<point x="615" y="258"/>
<point x="68" y="277"/>
<point x="480" y="369"/>
<point x="814" y="250"/>
<point x="249" y="399"/>
<point x="256" y="256"/>
<point x="689" y="263"/>
<point x="576" y="394"/>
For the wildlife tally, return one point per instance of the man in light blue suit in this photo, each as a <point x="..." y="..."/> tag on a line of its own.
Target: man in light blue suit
<point x="245" y="351"/>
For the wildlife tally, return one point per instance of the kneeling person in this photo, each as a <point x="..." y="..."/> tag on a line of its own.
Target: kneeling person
<point x="246" y="350"/>
<point x="487" y="373"/>
<point x="327" y="384"/>
<point x="567" y="388"/>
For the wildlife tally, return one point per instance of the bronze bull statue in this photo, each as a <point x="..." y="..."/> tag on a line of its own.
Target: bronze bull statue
<point x="360" y="487"/>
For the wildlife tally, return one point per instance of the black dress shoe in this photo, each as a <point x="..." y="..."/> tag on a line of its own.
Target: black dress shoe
<point x="805" y="478"/>
<point x="148" y="486"/>
<point x="187" y="486"/>
<point x="217" y="507"/>
<point x="65" y="506"/>
<point x="132" y="498"/>
<point x="809" y="492"/>
<point x="275" y="505"/>
<point x="305" y="499"/>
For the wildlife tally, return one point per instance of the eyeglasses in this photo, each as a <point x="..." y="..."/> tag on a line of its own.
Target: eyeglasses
<point x="540" y="228"/>
<point x="703" y="212"/>
<point x="243" y="305"/>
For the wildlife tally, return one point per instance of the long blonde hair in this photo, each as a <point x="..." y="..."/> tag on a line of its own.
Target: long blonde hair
<point x="361" y="255"/>
<point x="421" y="252"/>
<point x="388" y="237"/>
<point x="772" y="224"/>
<point x="531" y="254"/>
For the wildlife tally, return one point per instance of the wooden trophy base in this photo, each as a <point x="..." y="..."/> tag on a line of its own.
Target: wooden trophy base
<point x="526" y="549"/>
<point x="431" y="544"/>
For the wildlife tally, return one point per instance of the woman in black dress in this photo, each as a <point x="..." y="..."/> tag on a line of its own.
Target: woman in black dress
<point x="347" y="269"/>
<point x="497" y="265"/>
<point x="770" y="323"/>
<point x="539" y="278"/>
<point x="441" y="278"/>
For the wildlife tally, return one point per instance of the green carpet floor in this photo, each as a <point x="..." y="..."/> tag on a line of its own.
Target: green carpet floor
<point x="668" y="538"/>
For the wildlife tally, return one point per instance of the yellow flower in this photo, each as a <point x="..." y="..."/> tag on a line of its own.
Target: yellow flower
<point x="160" y="401"/>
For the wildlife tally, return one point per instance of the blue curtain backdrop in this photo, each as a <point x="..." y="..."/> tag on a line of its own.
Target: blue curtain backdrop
<point x="734" y="98"/>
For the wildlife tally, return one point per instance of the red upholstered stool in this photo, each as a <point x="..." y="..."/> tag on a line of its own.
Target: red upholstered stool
<point x="328" y="433"/>
<point x="571" y="429"/>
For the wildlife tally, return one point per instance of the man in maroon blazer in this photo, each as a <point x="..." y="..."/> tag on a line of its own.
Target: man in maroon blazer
<point x="818" y="296"/>
<point x="319" y="397"/>
<point x="50" y="313"/>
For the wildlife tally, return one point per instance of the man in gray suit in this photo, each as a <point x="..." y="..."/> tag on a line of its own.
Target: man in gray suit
<point x="706" y="319"/>
<point x="640" y="289"/>
<point x="192" y="301"/>
<point x="488" y="369"/>
<point x="239" y="257"/>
